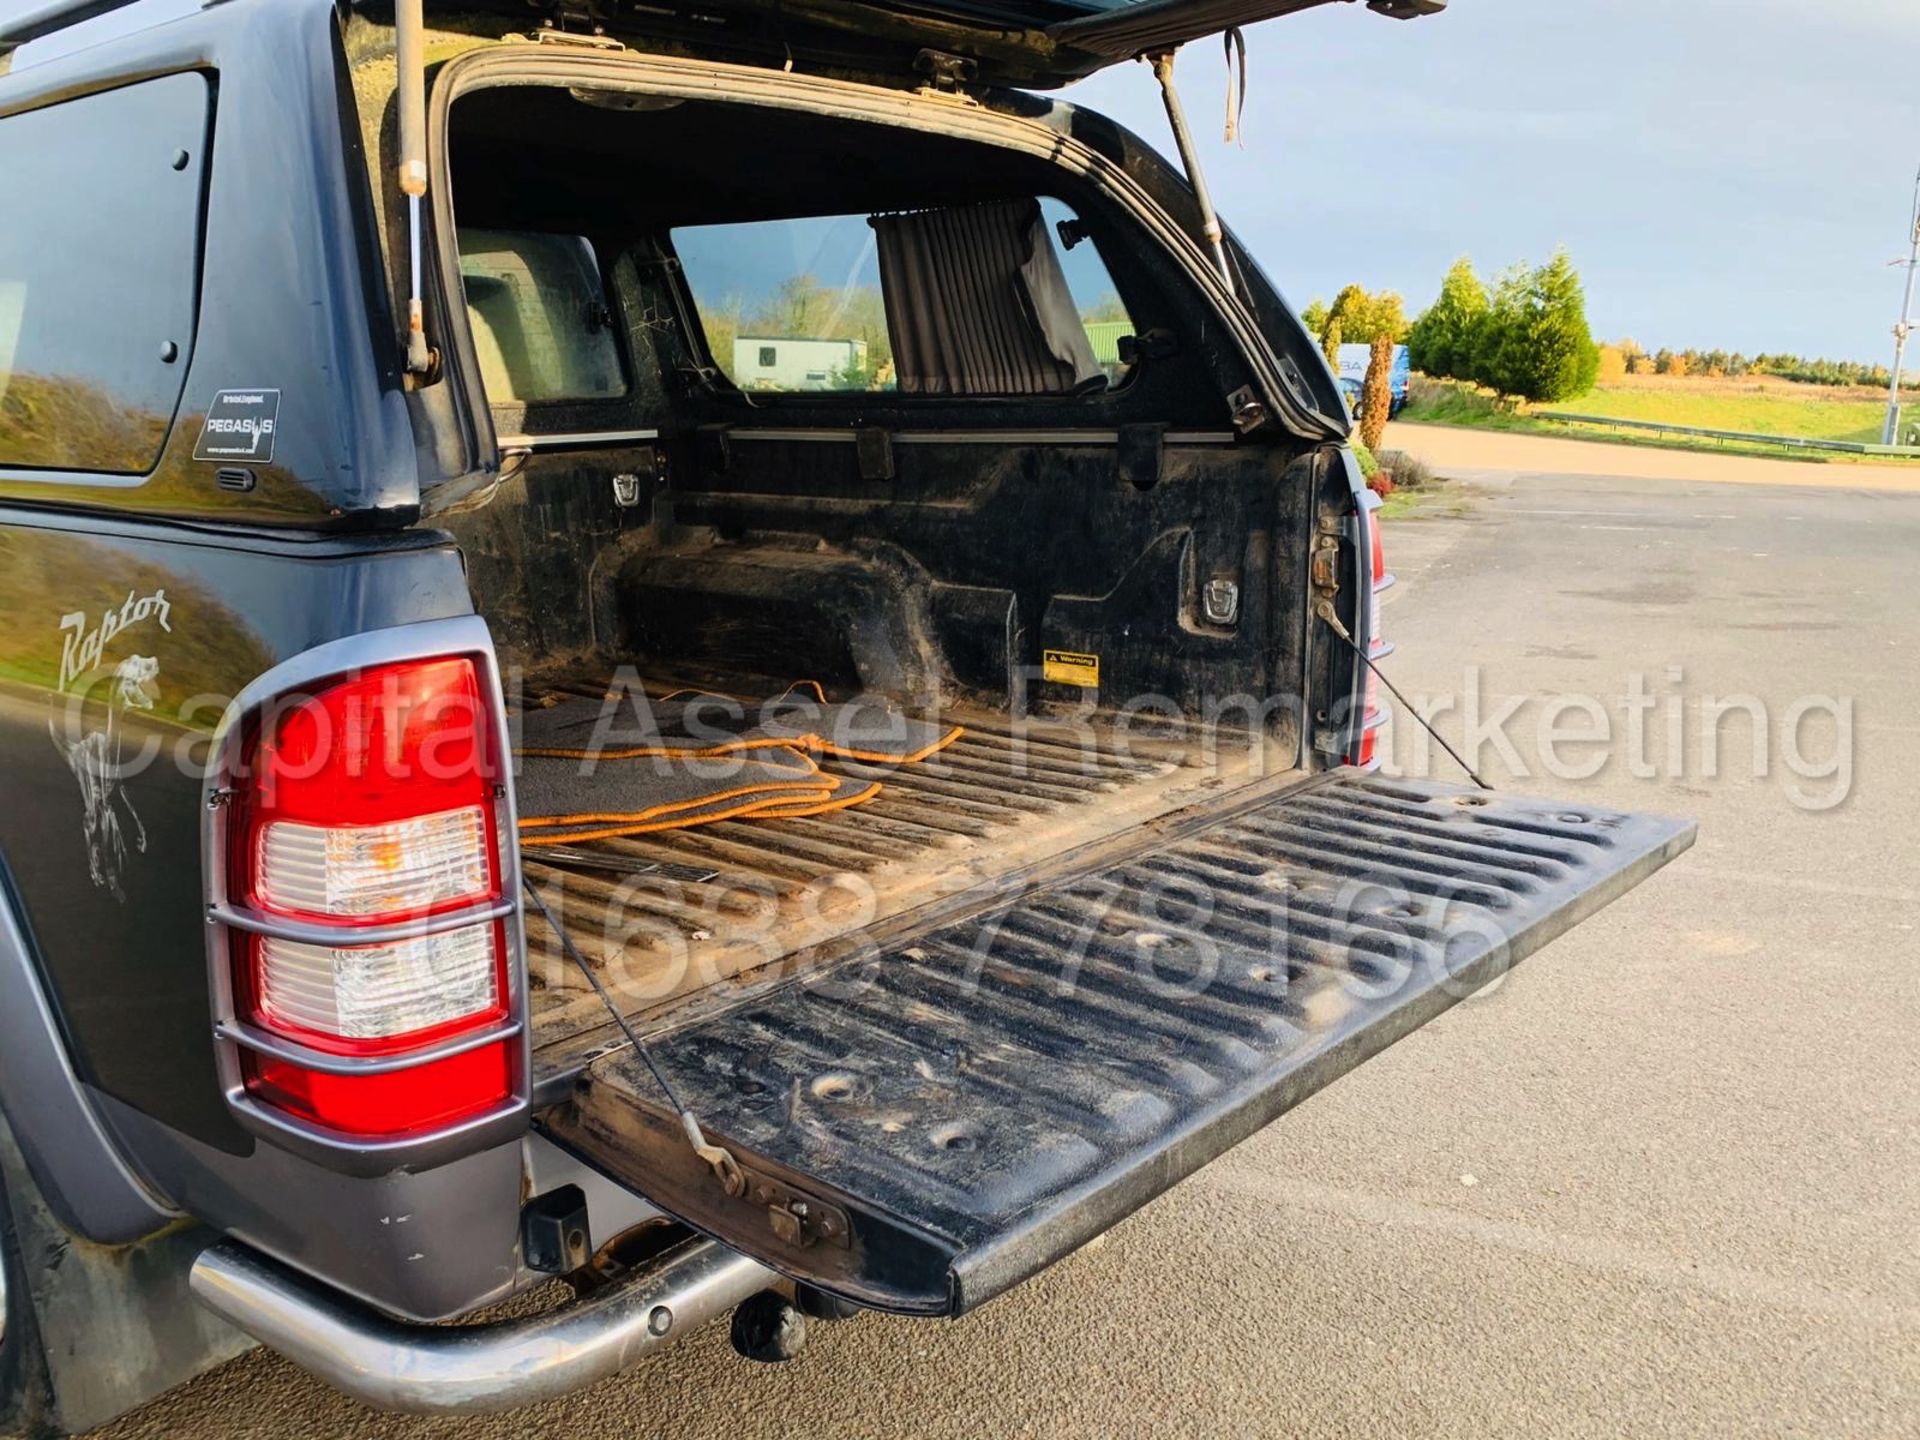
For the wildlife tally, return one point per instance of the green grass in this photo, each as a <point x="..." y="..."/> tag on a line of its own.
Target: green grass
<point x="1428" y="502"/>
<point x="1707" y="404"/>
<point x="1445" y="402"/>
<point x="1762" y="412"/>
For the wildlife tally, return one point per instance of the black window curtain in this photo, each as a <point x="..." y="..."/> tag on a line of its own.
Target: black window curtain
<point x="977" y="303"/>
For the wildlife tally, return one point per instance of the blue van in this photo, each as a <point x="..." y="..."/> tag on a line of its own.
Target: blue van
<point x="1353" y="376"/>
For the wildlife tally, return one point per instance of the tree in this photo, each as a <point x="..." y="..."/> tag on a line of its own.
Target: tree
<point x="1535" y="342"/>
<point x="1587" y="374"/>
<point x="1564" y="361"/>
<point x="722" y="324"/>
<point x="1108" y="309"/>
<point x="1387" y="318"/>
<point x="1493" y="357"/>
<point x="1376" y="394"/>
<point x="1443" y="339"/>
<point x="1314" y="317"/>
<point x="1613" y="363"/>
<point x="1330" y="343"/>
<point x="1350" y="303"/>
<point x="1364" y="318"/>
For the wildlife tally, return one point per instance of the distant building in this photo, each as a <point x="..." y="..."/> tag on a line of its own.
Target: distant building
<point x="795" y="362"/>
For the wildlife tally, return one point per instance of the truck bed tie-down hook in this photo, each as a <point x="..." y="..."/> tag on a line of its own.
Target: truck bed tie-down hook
<point x="718" y="1157"/>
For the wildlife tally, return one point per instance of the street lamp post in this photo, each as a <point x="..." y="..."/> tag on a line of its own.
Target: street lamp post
<point x="1905" y="327"/>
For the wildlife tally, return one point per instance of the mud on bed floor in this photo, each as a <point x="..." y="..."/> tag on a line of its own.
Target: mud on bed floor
<point x="670" y="920"/>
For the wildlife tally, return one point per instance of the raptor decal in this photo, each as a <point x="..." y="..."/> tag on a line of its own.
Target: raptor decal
<point x="95" y="749"/>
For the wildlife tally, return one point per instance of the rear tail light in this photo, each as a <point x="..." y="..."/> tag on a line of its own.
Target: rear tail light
<point x="371" y="985"/>
<point x="402" y="867"/>
<point x="430" y="1096"/>
<point x="1373" y="715"/>
<point x="365" y="997"/>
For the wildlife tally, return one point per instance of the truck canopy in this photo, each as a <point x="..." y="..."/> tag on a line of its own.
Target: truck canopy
<point x="1042" y="44"/>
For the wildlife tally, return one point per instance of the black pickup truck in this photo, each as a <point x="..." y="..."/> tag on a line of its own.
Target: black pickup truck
<point x="372" y="381"/>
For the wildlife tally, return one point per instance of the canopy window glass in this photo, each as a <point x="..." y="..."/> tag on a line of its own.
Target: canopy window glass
<point x="99" y="269"/>
<point x="995" y="298"/>
<point x="542" y="328"/>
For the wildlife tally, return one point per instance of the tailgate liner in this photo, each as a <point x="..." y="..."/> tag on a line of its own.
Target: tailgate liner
<point x="953" y="1111"/>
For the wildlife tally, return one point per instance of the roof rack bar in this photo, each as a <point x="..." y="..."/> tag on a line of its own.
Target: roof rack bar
<point x="36" y="18"/>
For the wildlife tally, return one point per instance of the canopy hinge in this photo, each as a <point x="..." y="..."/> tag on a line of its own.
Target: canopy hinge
<point x="573" y="20"/>
<point x="946" y="74"/>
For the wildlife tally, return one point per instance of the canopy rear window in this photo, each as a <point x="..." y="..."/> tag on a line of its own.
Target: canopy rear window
<point x="542" y="328"/>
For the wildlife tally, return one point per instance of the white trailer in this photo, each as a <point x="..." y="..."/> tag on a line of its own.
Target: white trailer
<point x="795" y="362"/>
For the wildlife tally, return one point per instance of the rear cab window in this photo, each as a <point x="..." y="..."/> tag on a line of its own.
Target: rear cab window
<point x="1006" y="297"/>
<point x="99" y="274"/>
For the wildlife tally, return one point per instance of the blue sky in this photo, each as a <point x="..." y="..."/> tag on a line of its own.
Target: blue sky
<point x="1726" y="173"/>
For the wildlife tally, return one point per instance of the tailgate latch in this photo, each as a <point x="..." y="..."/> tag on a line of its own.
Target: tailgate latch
<point x="796" y="1218"/>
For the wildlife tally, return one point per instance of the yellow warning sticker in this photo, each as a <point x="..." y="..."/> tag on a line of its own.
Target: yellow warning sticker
<point x="1070" y="667"/>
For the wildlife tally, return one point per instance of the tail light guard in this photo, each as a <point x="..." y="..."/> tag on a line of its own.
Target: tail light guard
<point x="332" y="896"/>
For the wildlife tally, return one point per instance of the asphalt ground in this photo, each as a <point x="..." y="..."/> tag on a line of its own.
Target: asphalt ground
<point x="1665" y="1179"/>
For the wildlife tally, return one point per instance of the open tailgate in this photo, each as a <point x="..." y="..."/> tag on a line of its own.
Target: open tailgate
<point x="926" y="1123"/>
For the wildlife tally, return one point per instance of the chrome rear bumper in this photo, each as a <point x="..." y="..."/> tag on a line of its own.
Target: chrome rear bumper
<point x="463" y="1370"/>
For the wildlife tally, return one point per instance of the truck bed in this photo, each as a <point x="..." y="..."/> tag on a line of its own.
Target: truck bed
<point x="698" y="917"/>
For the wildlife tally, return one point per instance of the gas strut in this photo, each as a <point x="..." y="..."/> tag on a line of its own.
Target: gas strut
<point x="1190" y="160"/>
<point x="410" y="60"/>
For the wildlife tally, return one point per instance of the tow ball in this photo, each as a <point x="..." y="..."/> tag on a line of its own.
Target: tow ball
<point x="771" y="1328"/>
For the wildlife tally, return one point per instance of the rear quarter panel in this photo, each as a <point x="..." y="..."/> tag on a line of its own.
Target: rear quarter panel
<point x="105" y="725"/>
<point x="120" y="646"/>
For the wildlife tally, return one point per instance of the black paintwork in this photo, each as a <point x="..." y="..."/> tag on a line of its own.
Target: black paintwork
<point x="290" y="290"/>
<point x="125" y="953"/>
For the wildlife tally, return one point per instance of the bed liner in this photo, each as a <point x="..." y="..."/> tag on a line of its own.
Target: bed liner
<point x="731" y="902"/>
